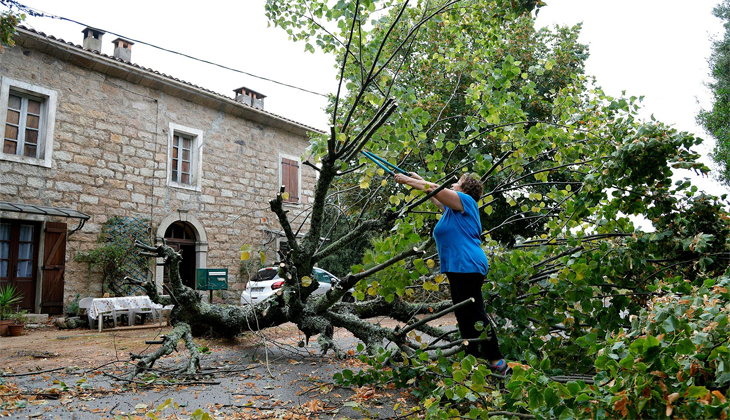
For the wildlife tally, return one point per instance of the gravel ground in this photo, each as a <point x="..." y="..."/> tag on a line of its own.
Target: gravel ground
<point x="72" y="374"/>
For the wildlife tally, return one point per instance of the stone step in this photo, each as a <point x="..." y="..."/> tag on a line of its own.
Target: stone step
<point x="37" y="318"/>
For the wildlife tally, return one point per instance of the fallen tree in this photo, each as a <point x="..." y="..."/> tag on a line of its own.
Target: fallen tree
<point x="445" y="87"/>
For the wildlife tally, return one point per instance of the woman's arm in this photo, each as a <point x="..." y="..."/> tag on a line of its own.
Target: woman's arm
<point x="445" y="197"/>
<point x="429" y="188"/>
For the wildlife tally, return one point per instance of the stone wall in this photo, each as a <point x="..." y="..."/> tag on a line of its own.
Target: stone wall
<point x="110" y="158"/>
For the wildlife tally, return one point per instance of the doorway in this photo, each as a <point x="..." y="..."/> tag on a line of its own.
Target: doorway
<point x="180" y="236"/>
<point x="19" y="243"/>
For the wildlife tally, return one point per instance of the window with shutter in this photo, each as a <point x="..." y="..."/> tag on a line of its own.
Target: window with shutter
<point x="290" y="179"/>
<point x="29" y="113"/>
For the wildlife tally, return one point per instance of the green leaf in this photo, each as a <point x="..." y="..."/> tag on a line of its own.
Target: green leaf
<point x="670" y="324"/>
<point x="650" y="342"/>
<point x="696" y="391"/>
<point x="552" y="399"/>
<point x="535" y="398"/>
<point x="583" y="397"/>
<point x="627" y="362"/>
<point x="685" y="346"/>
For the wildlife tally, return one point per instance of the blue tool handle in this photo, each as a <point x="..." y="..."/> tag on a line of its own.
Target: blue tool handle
<point x="376" y="162"/>
<point x="377" y="159"/>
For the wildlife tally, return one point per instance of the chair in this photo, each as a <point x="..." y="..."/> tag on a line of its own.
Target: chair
<point x="84" y="305"/>
<point x="114" y="315"/>
<point x="114" y="309"/>
<point x="151" y="310"/>
<point x="165" y="312"/>
<point x="160" y="314"/>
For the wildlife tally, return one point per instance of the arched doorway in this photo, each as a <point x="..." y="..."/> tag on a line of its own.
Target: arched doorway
<point x="181" y="237"/>
<point x="183" y="231"/>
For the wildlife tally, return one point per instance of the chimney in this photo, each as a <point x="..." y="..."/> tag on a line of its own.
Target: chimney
<point x="92" y="38"/>
<point x="250" y="97"/>
<point x="123" y="49"/>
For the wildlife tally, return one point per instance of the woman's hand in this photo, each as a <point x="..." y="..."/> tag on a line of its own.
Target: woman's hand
<point x="401" y="179"/>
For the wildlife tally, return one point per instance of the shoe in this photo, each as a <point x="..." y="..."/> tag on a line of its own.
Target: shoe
<point x="500" y="367"/>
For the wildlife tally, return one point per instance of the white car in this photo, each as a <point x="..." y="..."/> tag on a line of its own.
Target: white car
<point x="267" y="281"/>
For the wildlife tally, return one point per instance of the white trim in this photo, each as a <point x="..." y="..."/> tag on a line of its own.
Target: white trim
<point x="298" y="159"/>
<point x="196" y="160"/>
<point x="48" y="120"/>
<point x="201" y="242"/>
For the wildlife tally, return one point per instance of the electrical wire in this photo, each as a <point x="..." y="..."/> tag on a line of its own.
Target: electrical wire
<point x="36" y="13"/>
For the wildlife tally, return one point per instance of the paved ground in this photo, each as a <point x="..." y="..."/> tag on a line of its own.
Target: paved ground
<point x="254" y="376"/>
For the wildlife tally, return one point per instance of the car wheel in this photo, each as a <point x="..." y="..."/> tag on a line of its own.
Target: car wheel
<point x="348" y="297"/>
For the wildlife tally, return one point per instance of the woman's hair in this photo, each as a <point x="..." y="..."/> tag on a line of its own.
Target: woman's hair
<point x="472" y="186"/>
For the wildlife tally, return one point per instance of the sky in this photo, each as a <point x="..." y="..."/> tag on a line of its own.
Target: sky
<point x="654" y="48"/>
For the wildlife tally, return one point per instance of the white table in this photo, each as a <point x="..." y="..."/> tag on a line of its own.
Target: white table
<point x="127" y="305"/>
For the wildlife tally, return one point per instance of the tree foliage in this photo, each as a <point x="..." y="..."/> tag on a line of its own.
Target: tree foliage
<point x="116" y="256"/>
<point x="715" y="119"/>
<point x="9" y="19"/>
<point x="447" y="87"/>
<point x="443" y="87"/>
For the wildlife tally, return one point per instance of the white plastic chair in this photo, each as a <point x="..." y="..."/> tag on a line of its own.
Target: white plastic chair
<point x="114" y="313"/>
<point x="153" y="311"/>
<point x="85" y="304"/>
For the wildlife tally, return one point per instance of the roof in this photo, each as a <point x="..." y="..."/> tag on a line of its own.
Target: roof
<point x="44" y="210"/>
<point x="25" y="37"/>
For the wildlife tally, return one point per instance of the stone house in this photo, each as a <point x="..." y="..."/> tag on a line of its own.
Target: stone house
<point x="91" y="137"/>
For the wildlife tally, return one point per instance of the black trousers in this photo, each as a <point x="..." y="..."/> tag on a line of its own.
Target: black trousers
<point x="465" y="286"/>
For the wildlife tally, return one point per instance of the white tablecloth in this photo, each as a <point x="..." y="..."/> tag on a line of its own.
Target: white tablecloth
<point x="127" y="303"/>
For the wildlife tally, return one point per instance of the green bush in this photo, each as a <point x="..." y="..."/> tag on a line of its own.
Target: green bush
<point x="9" y="296"/>
<point x="674" y="362"/>
<point x="116" y="256"/>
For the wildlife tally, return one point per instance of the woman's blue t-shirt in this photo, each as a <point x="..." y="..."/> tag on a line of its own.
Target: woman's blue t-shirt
<point x="458" y="239"/>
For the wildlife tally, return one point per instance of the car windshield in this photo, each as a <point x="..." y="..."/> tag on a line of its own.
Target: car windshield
<point x="265" y="274"/>
<point x="322" y="276"/>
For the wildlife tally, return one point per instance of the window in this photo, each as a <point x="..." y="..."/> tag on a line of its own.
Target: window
<point x="283" y="246"/>
<point x="19" y="257"/>
<point x="28" y="118"/>
<point x="322" y="276"/>
<point x="181" y="156"/>
<point x="185" y="157"/>
<point x="289" y="175"/>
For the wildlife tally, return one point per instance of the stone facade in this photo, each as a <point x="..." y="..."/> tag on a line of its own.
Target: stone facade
<point x="112" y="139"/>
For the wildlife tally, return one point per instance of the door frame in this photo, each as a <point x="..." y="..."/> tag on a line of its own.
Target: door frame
<point x="201" y="242"/>
<point x="29" y="294"/>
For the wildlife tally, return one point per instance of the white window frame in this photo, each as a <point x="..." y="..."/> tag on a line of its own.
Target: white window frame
<point x="298" y="159"/>
<point x="47" y="122"/>
<point x="196" y="158"/>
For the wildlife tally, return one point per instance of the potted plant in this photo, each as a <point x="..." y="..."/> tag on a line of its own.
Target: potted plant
<point x="9" y="296"/>
<point x="17" y="323"/>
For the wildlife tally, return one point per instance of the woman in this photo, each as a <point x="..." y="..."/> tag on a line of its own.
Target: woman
<point x="458" y="241"/>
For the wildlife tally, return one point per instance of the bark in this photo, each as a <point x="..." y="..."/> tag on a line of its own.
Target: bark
<point x="168" y="345"/>
<point x="313" y="315"/>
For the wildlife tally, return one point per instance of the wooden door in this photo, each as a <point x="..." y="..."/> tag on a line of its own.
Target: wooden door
<point x="54" y="267"/>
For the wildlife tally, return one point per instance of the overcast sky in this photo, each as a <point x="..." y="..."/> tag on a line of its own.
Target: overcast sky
<point x="655" y="48"/>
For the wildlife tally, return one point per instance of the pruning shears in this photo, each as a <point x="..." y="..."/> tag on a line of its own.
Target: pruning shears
<point x="383" y="163"/>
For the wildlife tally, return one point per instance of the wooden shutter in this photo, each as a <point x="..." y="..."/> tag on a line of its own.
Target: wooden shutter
<point x="290" y="179"/>
<point x="54" y="266"/>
